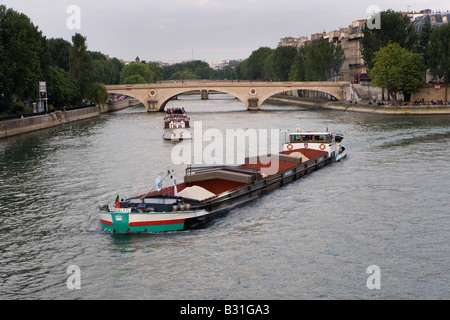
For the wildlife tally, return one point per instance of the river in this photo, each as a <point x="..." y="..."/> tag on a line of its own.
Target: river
<point x="386" y="205"/>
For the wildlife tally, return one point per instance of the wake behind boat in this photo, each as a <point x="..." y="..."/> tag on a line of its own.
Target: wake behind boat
<point x="209" y="192"/>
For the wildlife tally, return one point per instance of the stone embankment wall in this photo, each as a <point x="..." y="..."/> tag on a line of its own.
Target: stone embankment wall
<point x="117" y="106"/>
<point x="366" y="107"/>
<point x="23" y="125"/>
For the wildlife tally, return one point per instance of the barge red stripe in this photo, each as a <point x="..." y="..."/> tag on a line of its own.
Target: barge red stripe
<point x="109" y="223"/>
<point x="155" y="223"/>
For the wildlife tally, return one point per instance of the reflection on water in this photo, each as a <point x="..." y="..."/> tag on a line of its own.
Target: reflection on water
<point x="385" y="205"/>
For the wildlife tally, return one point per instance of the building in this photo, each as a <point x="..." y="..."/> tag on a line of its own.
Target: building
<point x="288" y="42"/>
<point x="349" y="38"/>
<point x="218" y="65"/>
<point x="353" y="69"/>
<point x="435" y="19"/>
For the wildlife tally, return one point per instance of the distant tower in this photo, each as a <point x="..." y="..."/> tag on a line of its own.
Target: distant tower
<point x="137" y="60"/>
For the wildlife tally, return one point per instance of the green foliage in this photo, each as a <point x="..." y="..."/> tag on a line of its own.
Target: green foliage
<point x="184" y="75"/>
<point x="439" y="55"/>
<point x="62" y="88"/>
<point x="278" y="64"/>
<point x="189" y="70"/>
<point x="297" y="72"/>
<point x="397" y="70"/>
<point x="256" y="63"/>
<point x="21" y="50"/>
<point x="242" y="70"/>
<point x="106" y="71"/>
<point x="395" y="27"/>
<point x="226" y="73"/>
<point x="423" y="44"/>
<point x="134" y="79"/>
<point x="80" y="63"/>
<point x="59" y="51"/>
<point x="97" y="93"/>
<point x="137" y="68"/>
<point x="27" y="57"/>
<point x="158" y="76"/>
<point x="19" y="108"/>
<point x="320" y="61"/>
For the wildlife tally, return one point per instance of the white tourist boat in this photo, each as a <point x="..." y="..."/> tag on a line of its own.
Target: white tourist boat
<point x="176" y="125"/>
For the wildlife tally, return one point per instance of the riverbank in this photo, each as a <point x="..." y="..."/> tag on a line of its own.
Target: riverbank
<point x="366" y="107"/>
<point x="14" y="127"/>
<point x="119" y="105"/>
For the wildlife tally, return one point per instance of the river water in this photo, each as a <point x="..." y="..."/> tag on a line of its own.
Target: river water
<point x="386" y="205"/>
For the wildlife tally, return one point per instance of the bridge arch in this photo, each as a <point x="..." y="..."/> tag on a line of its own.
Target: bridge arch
<point x="155" y="96"/>
<point x="269" y="94"/>
<point x="166" y="98"/>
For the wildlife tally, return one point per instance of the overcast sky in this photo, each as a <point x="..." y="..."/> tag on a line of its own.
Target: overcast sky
<point x="209" y="30"/>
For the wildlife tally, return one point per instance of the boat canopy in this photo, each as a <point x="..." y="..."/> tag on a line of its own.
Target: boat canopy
<point x="310" y="137"/>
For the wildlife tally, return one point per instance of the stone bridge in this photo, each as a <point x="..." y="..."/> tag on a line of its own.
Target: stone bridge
<point x="154" y="96"/>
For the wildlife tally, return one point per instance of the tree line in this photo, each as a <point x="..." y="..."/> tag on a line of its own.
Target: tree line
<point x="396" y="55"/>
<point x="72" y="73"/>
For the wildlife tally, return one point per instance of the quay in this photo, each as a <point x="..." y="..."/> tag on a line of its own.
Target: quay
<point x="14" y="127"/>
<point x="22" y="125"/>
<point x="365" y="107"/>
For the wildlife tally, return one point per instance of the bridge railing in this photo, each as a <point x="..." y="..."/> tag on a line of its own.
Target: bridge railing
<point x="229" y="83"/>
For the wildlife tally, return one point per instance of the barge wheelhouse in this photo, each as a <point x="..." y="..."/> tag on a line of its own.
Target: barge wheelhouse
<point x="323" y="141"/>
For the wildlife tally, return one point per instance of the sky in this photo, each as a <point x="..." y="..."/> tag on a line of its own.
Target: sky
<point x="208" y="30"/>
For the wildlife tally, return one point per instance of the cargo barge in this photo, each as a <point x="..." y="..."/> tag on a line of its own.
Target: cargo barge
<point x="210" y="192"/>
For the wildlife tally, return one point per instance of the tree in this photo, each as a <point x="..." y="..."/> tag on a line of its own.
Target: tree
<point x="184" y="75"/>
<point x="158" y="76"/>
<point x="226" y="73"/>
<point x="424" y="39"/>
<point x="62" y="88"/>
<point x="97" y="93"/>
<point x="397" y="70"/>
<point x="255" y="63"/>
<point x="80" y="63"/>
<point x="395" y="27"/>
<point x="134" y="79"/>
<point x="439" y="55"/>
<point x="137" y="68"/>
<point x="21" y="50"/>
<point x="242" y="70"/>
<point x="60" y="52"/>
<point x="196" y="69"/>
<point x="297" y="72"/>
<point x="278" y="64"/>
<point x="320" y="61"/>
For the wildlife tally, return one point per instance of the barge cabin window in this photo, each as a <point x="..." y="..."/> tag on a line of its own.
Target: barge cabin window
<point x="307" y="138"/>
